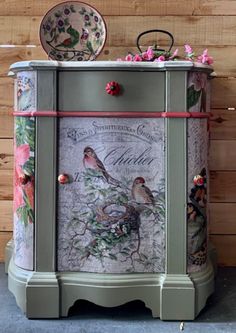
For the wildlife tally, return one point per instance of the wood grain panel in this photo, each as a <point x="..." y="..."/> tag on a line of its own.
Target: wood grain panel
<point x="215" y="7"/>
<point x="9" y="55"/>
<point x="6" y="154"/>
<point x="223" y="124"/>
<point x="222" y="218"/>
<point x="223" y="186"/>
<point x="124" y="7"/>
<point x="4" y="238"/>
<point x="6" y="184"/>
<point x="6" y="215"/>
<point x="106" y="7"/>
<point x="6" y="122"/>
<point x="223" y="94"/>
<point x="6" y="92"/>
<point x="222" y="155"/>
<point x="123" y="30"/>
<point x="225" y="246"/>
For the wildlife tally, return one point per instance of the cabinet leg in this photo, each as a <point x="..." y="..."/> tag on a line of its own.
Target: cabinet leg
<point x="42" y="295"/>
<point x="177" y="298"/>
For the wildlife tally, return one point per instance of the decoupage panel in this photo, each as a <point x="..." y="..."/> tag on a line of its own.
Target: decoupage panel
<point x="197" y="97"/>
<point x="197" y="193"/>
<point x="24" y="152"/>
<point x="25" y="91"/>
<point x="111" y="213"/>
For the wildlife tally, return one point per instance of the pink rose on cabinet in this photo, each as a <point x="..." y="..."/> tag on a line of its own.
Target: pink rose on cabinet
<point x="204" y="58"/>
<point x="23" y="185"/>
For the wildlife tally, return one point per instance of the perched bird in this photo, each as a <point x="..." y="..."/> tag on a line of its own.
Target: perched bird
<point x="141" y="193"/>
<point x="91" y="161"/>
<point x="72" y="40"/>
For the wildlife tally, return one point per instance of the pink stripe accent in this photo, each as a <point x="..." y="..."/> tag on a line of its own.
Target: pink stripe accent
<point x="186" y="115"/>
<point x="35" y="114"/>
<point x="112" y="114"/>
<point x="201" y="115"/>
<point x="176" y="114"/>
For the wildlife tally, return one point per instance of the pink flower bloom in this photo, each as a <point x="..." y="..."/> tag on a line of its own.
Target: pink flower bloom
<point x="150" y="53"/>
<point x="22" y="154"/>
<point x="174" y="54"/>
<point x="204" y="58"/>
<point x="159" y="59"/>
<point x="129" y="57"/>
<point x="188" y="49"/>
<point x="145" y="56"/>
<point x="137" y="57"/>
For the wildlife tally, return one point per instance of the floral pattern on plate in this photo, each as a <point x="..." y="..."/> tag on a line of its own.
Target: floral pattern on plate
<point x="73" y="31"/>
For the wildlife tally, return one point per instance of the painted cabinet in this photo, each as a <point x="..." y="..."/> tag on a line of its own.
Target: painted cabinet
<point x="111" y="186"/>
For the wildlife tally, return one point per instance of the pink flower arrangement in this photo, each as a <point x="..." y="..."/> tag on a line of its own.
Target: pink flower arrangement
<point x="204" y="58"/>
<point x="188" y="52"/>
<point x="22" y="189"/>
<point x="153" y="54"/>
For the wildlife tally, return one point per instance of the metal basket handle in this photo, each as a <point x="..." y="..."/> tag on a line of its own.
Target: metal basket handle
<point x="155" y="30"/>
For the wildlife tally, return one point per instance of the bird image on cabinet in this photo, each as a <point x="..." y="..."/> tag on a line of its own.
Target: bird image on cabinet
<point x="141" y="193"/>
<point x="91" y="161"/>
<point x="71" y="41"/>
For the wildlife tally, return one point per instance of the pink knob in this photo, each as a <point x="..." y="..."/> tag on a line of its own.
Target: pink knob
<point x="63" y="178"/>
<point x="113" y="88"/>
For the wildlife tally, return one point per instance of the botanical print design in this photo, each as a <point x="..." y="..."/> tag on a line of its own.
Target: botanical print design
<point x="197" y="194"/>
<point x="196" y="93"/>
<point x="24" y="191"/>
<point x="25" y="91"/>
<point x="24" y="148"/>
<point x="73" y="31"/>
<point x="111" y="215"/>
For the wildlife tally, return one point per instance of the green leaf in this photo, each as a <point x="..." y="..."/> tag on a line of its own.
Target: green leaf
<point x="192" y="96"/>
<point x="61" y="29"/>
<point x="89" y="46"/>
<point x="28" y="167"/>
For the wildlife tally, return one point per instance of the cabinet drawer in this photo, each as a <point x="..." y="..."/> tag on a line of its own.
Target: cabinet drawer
<point x="86" y="91"/>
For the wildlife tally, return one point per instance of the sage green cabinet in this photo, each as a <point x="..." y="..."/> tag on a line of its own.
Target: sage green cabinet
<point x="118" y="161"/>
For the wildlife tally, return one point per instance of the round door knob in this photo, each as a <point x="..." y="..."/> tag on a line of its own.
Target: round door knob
<point x="198" y="180"/>
<point x="113" y="88"/>
<point x="63" y="178"/>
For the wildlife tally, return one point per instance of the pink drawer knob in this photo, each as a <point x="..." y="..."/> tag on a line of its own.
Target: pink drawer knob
<point x="113" y="88"/>
<point x="63" y="178"/>
<point x="198" y="180"/>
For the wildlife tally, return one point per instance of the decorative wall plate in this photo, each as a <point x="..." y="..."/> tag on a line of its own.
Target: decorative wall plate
<point x="73" y="31"/>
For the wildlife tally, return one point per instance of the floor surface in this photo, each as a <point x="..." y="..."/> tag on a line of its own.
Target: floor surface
<point x="219" y="315"/>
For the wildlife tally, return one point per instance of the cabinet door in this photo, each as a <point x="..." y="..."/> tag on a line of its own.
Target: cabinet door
<point x="111" y="212"/>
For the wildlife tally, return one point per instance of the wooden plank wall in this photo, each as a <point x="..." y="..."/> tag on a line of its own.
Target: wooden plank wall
<point x="202" y="23"/>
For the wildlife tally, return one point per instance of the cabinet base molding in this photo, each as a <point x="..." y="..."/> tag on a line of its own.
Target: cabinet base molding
<point x="168" y="296"/>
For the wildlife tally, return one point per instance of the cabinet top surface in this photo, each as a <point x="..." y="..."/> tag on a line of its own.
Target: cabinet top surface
<point x="107" y="65"/>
